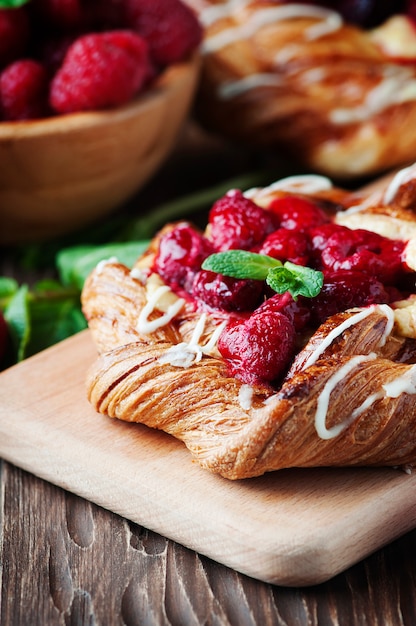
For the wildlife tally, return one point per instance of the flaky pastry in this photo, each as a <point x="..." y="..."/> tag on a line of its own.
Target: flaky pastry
<point x="340" y="98"/>
<point x="346" y="394"/>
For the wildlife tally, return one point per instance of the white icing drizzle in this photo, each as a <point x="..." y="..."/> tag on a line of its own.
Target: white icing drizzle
<point x="368" y="402"/>
<point x="144" y="325"/>
<point x="101" y="264"/>
<point x="245" y="397"/>
<point x="212" y="14"/>
<point x="302" y="183"/>
<point x="354" y="319"/>
<point x="406" y="383"/>
<point x="395" y="89"/>
<point x="233" y="88"/>
<point x="139" y="274"/>
<point x="324" y="397"/>
<point x="399" y="179"/>
<point x="186" y="354"/>
<point x="329" y="21"/>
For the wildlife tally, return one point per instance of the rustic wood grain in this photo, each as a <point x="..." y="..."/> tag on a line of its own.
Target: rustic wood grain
<point x="293" y="527"/>
<point x="68" y="562"/>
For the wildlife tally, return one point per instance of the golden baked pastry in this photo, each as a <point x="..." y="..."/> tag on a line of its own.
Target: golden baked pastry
<point x="299" y="79"/>
<point x="253" y="378"/>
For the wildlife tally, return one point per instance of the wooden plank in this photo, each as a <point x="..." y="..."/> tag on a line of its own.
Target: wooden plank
<point x="294" y="527"/>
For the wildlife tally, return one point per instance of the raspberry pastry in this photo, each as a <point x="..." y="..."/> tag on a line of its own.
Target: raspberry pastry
<point x="284" y="335"/>
<point x="332" y="83"/>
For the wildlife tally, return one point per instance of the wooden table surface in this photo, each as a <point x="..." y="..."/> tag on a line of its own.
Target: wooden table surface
<point x="65" y="561"/>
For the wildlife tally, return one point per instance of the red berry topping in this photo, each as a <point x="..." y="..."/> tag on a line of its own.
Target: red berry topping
<point x="237" y="223"/>
<point x="260" y="348"/>
<point x="14" y="33"/>
<point x="296" y="213"/>
<point x="180" y="255"/>
<point x="287" y="245"/>
<point x="225" y="293"/>
<point x="296" y="310"/>
<point x="23" y="91"/>
<point x="346" y="289"/>
<point x="365" y="251"/>
<point x="169" y="26"/>
<point x="100" y="71"/>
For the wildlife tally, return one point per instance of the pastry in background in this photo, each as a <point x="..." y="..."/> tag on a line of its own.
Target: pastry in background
<point x="334" y="88"/>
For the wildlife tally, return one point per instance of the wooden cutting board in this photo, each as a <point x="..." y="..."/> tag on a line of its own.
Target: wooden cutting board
<point x="294" y="527"/>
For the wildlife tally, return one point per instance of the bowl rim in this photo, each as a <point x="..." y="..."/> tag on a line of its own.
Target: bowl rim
<point x="165" y="81"/>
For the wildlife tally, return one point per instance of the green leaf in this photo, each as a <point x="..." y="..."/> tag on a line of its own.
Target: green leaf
<point x="297" y="279"/>
<point x="241" y="264"/>
<point x="8" y="287"/>
<point x="76" y="263"/>
<point x="53" y="321"/>
<point x="18" y="319"/>
<point x="12" y="4"/>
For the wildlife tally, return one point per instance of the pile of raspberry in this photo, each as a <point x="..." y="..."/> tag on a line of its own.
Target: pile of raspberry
<point x="66" y="56"/>
<point x="265" y="329"/>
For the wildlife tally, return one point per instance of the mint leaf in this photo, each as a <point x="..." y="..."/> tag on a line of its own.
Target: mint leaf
<point x="77" y="262"/>
<point x="17" y="317"/>
<point x="241" y="264"/>
<point x="12" y="4"/>
<point x="297" y="279"/>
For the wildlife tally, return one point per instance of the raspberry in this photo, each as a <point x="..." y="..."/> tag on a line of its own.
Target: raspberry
<point x="237" y="223"/>
<point x="14" y="33"/>
<point x="23" y="91"/>
<point x="180" y="255"/>
<point x="346" y="289"/>
<point x="169" y="26"/>
<point x="260" y="348"/>
<point x="411" y="9"/>
<point x="225" y="293"/>
<point x="287" y="245"/>
<point x="296" y="310"/>
<point x="319" y="236"/>
<point x="364" y="251"/>
<point x="296" y="213"/>
<point x="100" y="71"/>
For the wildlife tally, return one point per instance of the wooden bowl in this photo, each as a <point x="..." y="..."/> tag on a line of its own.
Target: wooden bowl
<point x="60" y="174"/>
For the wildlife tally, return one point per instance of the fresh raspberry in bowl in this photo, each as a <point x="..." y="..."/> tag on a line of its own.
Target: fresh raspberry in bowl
<point x="89" y="115"/>
<point x="100" y="71"/>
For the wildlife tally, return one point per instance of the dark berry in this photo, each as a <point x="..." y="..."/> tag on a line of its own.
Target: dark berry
<point x="169" y="26"/>
<point x="64" y="14"/>
<point x="225" y="293"/>
<point x="23" y="91"/>
<point x="296" y="213"/>
<point x="346" y="289"/>
<point x="287" y="245"/>
<point x="410" y="9"/>
<point x="180" y="255"/>
<point x="100" y="71"/>
<point x="14" y="33"/>
<point x="237" y="223"/>
<point x="260" y="348"/>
